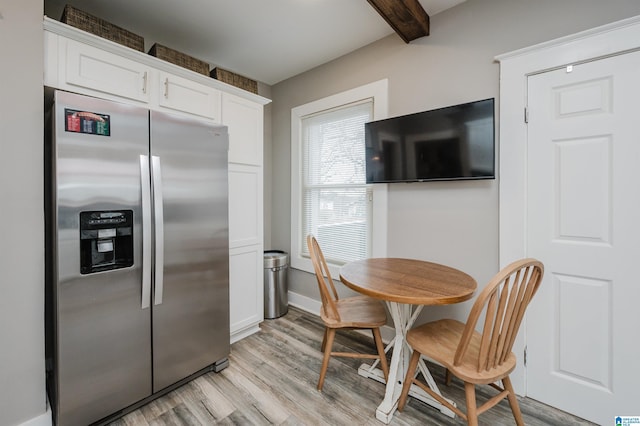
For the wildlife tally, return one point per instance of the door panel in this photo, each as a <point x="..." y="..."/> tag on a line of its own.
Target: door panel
<point x="191" y="324"/>
<point x="103" y="345"/>
<point x="583" y="199"/>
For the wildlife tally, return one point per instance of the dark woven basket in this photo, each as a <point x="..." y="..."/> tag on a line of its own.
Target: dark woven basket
<point x="235" y="80"/>
<point x="179" y="58"/>
<point x="94" y="25"/>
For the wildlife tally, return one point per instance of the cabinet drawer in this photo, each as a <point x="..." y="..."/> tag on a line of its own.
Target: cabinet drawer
<point x="184" y="95"/>
<point x="105" y="72"/>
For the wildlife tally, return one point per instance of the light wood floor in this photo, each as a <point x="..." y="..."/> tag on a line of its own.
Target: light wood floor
<point x="271" y="380"/>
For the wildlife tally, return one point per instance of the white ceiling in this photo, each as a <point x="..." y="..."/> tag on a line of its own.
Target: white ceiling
<point x="266" y="40"/>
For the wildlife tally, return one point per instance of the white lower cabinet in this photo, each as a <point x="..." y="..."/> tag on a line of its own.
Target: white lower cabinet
<point x="246" y="248"/>
<point x="246" y="300"/>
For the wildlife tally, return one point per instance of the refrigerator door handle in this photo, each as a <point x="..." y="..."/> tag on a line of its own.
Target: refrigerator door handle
<point x="159" y="228"/>
<point x="145" y="186"/>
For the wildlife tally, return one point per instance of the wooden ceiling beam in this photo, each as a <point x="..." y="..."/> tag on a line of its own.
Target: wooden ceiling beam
<point x="406" y="17"/>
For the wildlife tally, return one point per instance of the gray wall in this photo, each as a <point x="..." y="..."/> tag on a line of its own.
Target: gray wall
<point x="451" y="222"/>
<point x="22" y="378"/>
<point x="265" y="90"/>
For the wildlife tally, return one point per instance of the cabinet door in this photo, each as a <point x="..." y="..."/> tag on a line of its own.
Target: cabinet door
<point x="245" y="205"/>
<point x="245" y="291"/>
<point x="95" y="69"/>
<point x="184" y="95"/>
<point x="245" y="121"/>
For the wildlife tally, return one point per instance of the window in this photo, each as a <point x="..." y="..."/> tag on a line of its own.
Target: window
<point x="330" y="197"/>
<point x="334" y="195"/>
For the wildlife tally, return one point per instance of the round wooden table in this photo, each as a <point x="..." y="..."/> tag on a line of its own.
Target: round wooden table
<point x="406" y="286"/>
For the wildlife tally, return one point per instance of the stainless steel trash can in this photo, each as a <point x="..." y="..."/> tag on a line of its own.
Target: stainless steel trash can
<point x="276" y="285"/>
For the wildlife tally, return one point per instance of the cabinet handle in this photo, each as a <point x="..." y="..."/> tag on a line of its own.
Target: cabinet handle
<point x="144" y="83"/>
<point x="166" y="88"/>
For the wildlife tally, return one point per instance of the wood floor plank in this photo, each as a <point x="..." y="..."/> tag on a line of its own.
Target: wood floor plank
<point x="354" y="389"/>
<point x="272" y="378"/>
<point x="187" y="415"/>
<point x="299" y="395"/>
<point x="267" y="403"/>
<point x="214" y="401"/>
<point x="135" y="418"/>
<point x="191" y="401"/>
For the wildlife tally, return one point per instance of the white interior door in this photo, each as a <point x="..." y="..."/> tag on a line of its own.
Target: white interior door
<point x="583" y="191"/>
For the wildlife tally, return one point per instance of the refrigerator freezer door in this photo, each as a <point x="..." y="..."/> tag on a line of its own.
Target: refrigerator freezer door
<point x="191" y="321"/>
<point x="103" y="350"/>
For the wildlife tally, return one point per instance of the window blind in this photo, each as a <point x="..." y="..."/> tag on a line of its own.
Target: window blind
<point x="335" y="199"/>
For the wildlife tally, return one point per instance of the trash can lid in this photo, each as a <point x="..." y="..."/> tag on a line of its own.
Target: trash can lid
<point x="275" y="258"/>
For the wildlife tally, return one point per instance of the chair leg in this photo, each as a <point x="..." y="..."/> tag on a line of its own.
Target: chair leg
<point x="324" y="340"/>
<point x="447" y="377"/>
<point x="383" y="358"/>
<point x="513" y="401"/>
<point x="408" y="380"/>
<point x="472" y="408"/>
<point x="330" y="334"/>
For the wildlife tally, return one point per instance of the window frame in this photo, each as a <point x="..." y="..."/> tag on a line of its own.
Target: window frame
<point x="378" y="91"/>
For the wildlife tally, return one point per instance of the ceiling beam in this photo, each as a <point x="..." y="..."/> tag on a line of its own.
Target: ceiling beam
<point x="406" y="17"/>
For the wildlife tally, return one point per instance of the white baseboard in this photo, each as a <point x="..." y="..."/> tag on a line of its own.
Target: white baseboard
<point x="313" y="306"/>
<point x="43" y="419"/>
<point x="245" y="332"/>
<point x="304" y="303"/>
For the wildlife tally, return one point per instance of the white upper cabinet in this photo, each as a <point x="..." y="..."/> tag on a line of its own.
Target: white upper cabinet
<point x="184" y="95"/>
<point x="90" y="68"/>
<point x="245" y="121"/>
<point x="87" y="64"/>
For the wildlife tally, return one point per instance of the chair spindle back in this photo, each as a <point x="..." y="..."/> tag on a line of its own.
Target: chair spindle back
<point x="504" y="301"/>
<point x="328" y="292"/>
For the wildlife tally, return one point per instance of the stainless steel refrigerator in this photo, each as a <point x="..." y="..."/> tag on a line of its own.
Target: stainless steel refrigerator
<point x="137" y="255"/>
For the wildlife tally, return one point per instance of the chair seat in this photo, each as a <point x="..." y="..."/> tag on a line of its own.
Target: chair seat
<point x="439" y="340"/>
<point x="357" y="312"/>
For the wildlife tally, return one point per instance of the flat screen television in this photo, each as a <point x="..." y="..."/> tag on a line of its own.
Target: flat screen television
<point x="451" y="143"/>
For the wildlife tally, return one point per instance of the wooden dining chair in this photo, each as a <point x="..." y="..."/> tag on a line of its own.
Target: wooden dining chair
<point x="359" y="312"/>
<point x="479" y="357"/>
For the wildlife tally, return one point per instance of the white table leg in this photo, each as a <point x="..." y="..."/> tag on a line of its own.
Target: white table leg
<point x="403" y="316"/>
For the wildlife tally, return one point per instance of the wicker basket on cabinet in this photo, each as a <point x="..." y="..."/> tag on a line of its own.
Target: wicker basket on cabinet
<point x="94" y="25"/>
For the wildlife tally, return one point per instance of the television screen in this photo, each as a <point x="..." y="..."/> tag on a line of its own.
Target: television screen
<point x="450" y="143"/>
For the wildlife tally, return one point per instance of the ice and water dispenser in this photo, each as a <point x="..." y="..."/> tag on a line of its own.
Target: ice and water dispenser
<point x="106" y="240"/>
